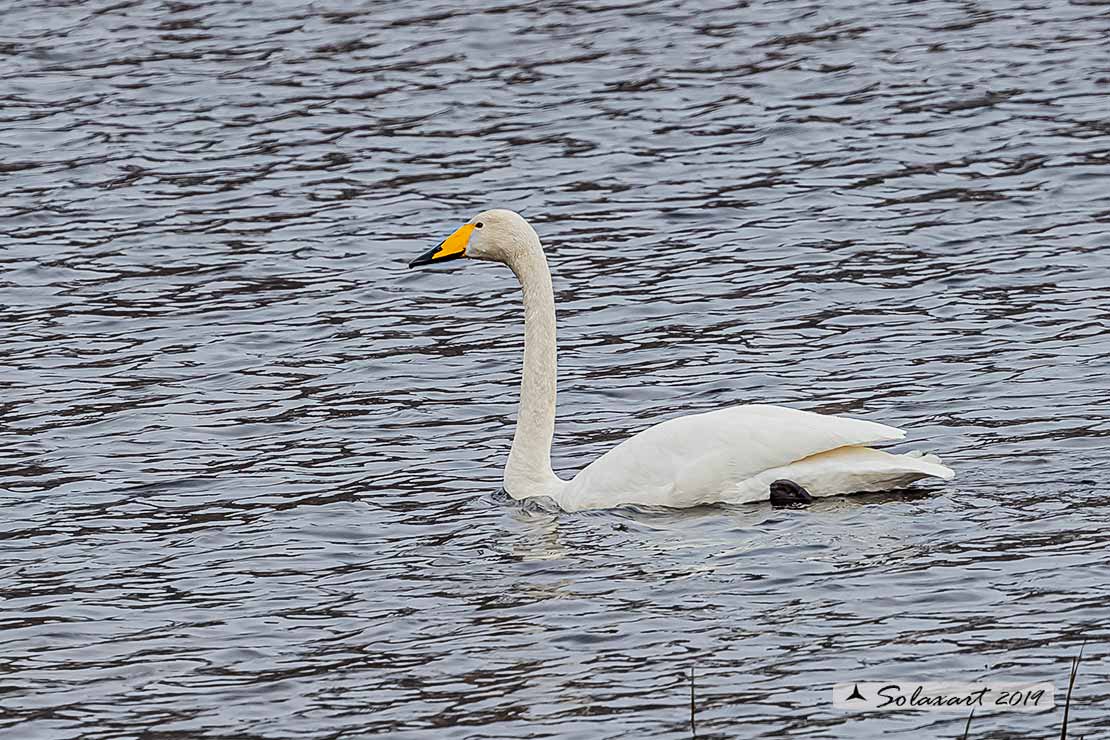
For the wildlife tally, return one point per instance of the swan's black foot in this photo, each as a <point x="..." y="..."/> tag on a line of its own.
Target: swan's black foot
<point x="787" y="493"/>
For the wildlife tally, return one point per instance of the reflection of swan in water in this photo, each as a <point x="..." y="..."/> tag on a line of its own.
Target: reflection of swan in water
<point x="731" y="455"/>
<point x="535" y="534"/>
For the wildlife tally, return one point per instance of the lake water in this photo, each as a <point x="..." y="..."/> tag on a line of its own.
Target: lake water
<point x="250" y="461"/>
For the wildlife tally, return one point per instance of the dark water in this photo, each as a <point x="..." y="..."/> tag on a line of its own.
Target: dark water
<point x="250" y="461"/>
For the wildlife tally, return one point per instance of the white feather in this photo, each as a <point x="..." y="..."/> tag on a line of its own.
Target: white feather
<point x="704" y="458"/>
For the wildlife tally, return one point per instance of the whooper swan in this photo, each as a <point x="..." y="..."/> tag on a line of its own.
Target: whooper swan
<point x="732" y="455"/>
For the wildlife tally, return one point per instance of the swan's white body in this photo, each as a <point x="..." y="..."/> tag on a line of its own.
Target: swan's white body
<point x="727" y="456"/>
<point x="734" y="454"/>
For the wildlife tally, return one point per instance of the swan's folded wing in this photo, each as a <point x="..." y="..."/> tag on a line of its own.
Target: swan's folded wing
<point x="680" y="461"/>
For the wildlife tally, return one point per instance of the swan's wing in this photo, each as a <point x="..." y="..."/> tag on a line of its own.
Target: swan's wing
<point x="693" y="459"/>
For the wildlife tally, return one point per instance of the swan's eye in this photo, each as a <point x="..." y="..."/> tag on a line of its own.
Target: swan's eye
<point x="478" y="225"/>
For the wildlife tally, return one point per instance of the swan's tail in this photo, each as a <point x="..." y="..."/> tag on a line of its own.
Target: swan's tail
<point x="941" y="470"/>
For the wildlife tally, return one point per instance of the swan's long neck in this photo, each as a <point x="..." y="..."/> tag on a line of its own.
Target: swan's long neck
<point x="528" y="472"/>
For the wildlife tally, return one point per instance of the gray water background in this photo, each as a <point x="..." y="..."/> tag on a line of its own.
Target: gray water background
<point x="250" y="462"/>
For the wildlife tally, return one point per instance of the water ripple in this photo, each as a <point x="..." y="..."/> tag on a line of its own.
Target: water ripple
<point x="251" y="462"/>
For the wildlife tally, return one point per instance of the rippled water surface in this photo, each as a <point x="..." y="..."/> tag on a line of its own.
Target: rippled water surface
<point x="250" y="461"/>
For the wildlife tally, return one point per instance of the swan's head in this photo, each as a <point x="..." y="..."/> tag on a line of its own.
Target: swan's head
<point x="497" y="235"/>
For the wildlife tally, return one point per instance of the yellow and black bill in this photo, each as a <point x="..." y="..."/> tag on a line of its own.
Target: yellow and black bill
<point x="452" y="248"/>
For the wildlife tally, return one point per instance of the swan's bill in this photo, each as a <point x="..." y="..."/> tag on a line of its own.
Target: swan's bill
<point x="452" y="247"/>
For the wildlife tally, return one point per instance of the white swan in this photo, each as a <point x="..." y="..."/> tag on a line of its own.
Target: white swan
<point x="732" y="455"/>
